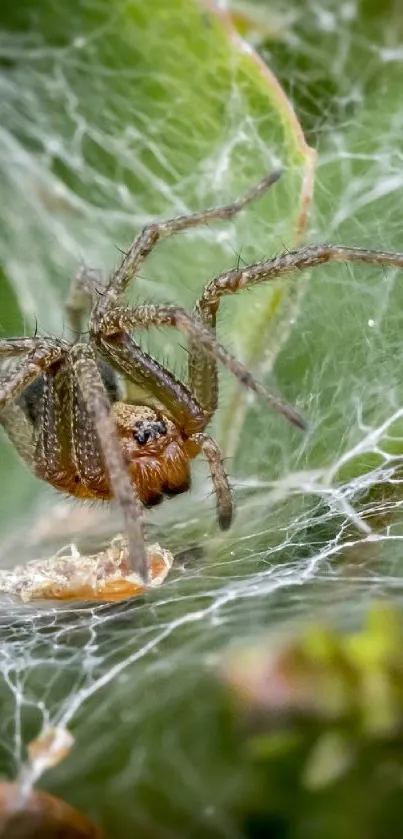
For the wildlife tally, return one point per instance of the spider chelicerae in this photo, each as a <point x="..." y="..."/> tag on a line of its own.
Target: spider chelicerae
<point x="60" y="402"/>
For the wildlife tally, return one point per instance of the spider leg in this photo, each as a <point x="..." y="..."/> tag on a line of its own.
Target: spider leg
<point x="128" y="358"/>
<point x="152" y="233"/>
<point x="20" y="431"/>
<point x="202" y="370"/>
<point x="114" y="324"/>
<point x="82" y="296"/>
<point x="98" y="406"/>
<point x="42" y="353"/>
<point x="39" y="421"/>
<point x="19" y="346"/>
<point x="43" y="425"/>
<point x="55" y="456"/>
<point x="310" y="256"/>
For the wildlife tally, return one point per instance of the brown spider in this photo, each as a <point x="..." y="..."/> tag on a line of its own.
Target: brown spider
<point x="60" y="403"/>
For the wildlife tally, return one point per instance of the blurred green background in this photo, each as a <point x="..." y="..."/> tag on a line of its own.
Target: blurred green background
<point x="113" y="113"/>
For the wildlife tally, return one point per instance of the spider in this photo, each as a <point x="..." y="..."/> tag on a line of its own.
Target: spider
<point x="60" y="402"/>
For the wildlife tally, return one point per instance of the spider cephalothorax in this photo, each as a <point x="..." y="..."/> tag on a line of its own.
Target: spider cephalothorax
<point x="61" y="405"/>
<point x="156" y="452"/>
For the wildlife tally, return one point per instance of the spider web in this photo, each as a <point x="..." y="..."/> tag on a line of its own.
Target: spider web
<point x="99" y="136"/>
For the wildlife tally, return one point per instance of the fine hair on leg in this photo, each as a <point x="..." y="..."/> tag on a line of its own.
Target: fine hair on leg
<point x="98" y="405"/>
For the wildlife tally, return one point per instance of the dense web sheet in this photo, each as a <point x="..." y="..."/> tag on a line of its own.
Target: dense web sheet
<point x="86" y="159"/>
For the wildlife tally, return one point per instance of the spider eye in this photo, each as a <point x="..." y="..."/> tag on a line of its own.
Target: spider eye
<point x="142" y="435"/>
<point x="145" y="430"/>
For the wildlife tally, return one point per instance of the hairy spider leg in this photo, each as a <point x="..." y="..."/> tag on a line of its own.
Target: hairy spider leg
<point x="303" y="259"/>
<point x="41" y="354"/>
<point x="126" y="356"/>
<point x="54" y="454"/>
<point x="149" y="237"/>
<point x="111" y="330"/>
<point x="82" y="296"/>
<point x="203" y="379"/>
<point x="66" y="451"/>
<point x="16" y="423"/>
<point x="98" y="406"/>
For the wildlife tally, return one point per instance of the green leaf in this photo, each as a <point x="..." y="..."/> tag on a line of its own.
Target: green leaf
<point x="112" y="114"/>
